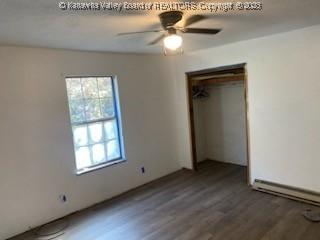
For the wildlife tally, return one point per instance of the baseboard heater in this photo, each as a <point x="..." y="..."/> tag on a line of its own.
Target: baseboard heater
<point x="287" y="191"/>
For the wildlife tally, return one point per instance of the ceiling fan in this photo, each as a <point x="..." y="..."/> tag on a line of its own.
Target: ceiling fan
<point x="171" y="39"/>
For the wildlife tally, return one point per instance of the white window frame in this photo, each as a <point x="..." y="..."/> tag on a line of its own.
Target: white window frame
<point x="116" y="117"/>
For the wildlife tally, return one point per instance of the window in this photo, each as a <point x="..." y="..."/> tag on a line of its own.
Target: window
<point x="95" y="122"/>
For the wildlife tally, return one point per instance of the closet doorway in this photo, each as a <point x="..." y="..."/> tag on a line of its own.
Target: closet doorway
<point x="218" y="115"/>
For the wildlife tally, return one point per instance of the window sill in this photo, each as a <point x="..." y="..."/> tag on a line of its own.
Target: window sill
<point x="100" y="166"/>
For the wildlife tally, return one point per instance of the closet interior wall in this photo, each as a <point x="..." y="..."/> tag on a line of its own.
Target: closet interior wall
<point x="220" y="118"/>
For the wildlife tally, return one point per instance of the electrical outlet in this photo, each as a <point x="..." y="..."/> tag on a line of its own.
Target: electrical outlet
<point x="142" y="170"/>
<point x="63" y="198"/>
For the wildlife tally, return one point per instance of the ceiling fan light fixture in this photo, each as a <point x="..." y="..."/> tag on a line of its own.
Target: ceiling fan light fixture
<point x="172" y="42"/>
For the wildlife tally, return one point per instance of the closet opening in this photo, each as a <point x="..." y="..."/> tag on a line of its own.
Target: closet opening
<point x="218" y="115"/>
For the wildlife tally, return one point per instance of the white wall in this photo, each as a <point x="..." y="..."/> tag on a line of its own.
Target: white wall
<point x="283" y="95"/>
<point x="220" y="124"/>
<point x="37" y="161"/>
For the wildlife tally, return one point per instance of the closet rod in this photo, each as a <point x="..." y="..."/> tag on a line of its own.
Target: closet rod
<point x="209" y="81"/>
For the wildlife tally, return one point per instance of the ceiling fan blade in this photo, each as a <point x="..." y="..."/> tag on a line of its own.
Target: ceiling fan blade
<point x="201" y="30"/>
<point x="158" y="39"/>
<point x="193" y="19"/>
<point x="150" y="31"/>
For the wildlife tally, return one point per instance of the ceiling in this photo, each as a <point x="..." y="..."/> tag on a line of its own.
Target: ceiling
<point x="41" y="23"/>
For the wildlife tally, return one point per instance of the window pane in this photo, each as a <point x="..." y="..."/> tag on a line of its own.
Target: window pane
<point x="74" y="88"/>
<point x="96" y="132"/>
<point x="113" y="150"/>
<point x="90" y="87"/>
<point x="83" y="157"/>
<point x="110" y="129"/>
<point x="94" y="120"/>
<point x="98" y="153"/>
<point x="93" y="109"/>
<point x="105" y="87"/>
<point x="107" y="107"/>
<point x="80" y="136"/>
<point x="77" y="111"/>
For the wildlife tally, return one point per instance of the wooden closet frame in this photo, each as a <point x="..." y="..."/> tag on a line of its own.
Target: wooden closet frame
<point x="241" y="68"/>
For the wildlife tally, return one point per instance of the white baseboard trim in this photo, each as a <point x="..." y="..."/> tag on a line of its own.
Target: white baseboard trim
<point x="294" y="193"/>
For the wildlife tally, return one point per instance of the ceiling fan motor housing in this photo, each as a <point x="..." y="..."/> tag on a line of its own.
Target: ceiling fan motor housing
<point x="169" y="19"/>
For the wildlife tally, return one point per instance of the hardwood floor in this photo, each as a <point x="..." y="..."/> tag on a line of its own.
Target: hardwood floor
<point x="212" y="204"/>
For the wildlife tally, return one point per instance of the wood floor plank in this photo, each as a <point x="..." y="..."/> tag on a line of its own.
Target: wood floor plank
<point x="214" y="203"/>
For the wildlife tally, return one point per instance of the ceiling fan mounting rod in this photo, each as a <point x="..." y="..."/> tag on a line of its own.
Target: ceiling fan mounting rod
<point x="172" y="31"/>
